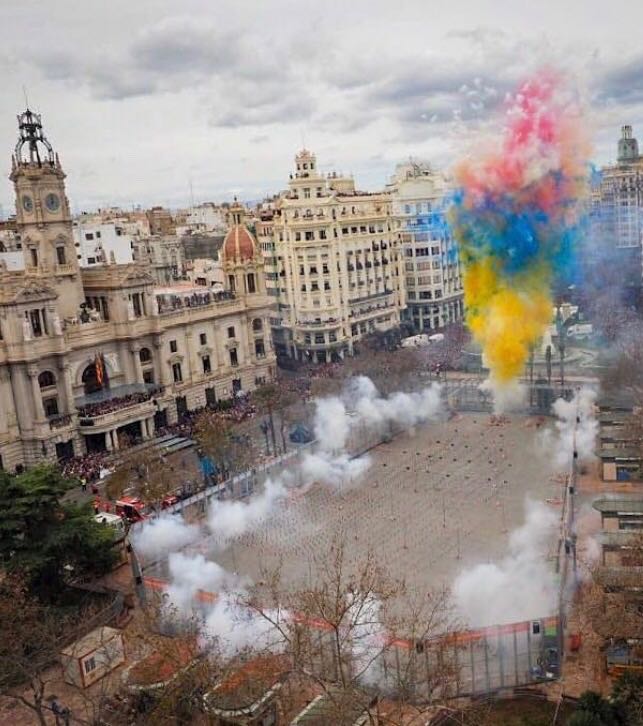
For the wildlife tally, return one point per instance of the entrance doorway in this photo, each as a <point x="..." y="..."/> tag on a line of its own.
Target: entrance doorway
<point x="130" y="434"/>
<point x="160" y="419"/>
<point x="65" y="450"/>
<point x="181" y="407"/>
<point x="95" y="443"/>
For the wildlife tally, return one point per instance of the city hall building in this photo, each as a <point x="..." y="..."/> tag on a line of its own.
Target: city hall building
<point x="89" y="356"/>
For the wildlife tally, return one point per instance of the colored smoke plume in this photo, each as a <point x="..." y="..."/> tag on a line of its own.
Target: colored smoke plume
<point x="517" y="219"/>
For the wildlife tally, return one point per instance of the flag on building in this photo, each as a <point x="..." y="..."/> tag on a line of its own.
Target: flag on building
<point x="100" y="369"/>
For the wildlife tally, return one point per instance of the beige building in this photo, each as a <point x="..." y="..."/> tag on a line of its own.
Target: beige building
<point x="435" y="297"/>
<point x="332" y="262"/>
<point x="89" y="355"/>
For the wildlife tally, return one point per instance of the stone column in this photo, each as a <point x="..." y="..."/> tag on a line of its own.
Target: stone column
<point x="5" y="385"/>
<point x="190" y="353"/>
<point x="37" y="397"/>
<point x="69" y="388"/>
<point x="136" y="354"/>
<point x="163" y="367"/>
<point x="114" y="435"/>
<point x="108" y="440"/>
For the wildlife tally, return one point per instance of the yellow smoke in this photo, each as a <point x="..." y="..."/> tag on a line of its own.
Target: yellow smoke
<point x="506" y="321"/>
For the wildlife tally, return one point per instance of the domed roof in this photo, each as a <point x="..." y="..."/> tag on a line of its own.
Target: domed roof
<point x="238" y="244"/>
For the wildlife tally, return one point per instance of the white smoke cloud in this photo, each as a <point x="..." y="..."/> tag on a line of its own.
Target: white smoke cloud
<point x="568" y="430"/>
<point x="507" y="397"/>
<point x="236" y="627"/>
<point x="404" y="409"/>
<point x="331" y="424"/>
<point x="164" y="534"/>
<point x="334" y="470"/>
<point x="190" y="573"/>
<point x="522" y="586"/>
<point x="229" y="518"/>
<point x="368" y="638"/>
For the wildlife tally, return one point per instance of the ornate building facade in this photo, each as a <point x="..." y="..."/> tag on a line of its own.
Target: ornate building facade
<point x="333" y="264"/>
<point x="88" y="355"/>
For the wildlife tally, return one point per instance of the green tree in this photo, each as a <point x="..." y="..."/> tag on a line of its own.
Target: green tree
<point x="627" y="693"/>
<point x="46" y="540"/>
<point x="594" y="710"/>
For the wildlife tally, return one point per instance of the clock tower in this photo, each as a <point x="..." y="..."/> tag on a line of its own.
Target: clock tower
<point x="42" y="214"/>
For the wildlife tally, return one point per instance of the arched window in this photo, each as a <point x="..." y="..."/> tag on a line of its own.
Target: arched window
<point x="144" y="355"/>
<point x="257" y="325"/>
<point x="46" y="379"/>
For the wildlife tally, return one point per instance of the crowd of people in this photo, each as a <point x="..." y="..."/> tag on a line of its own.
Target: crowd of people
<point x="114" y="404"/>
<point x="196" y="299"/>
<point x="86" y="468"/>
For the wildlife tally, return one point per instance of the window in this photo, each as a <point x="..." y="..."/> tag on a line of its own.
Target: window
<point x="207" y="368"/>
<point x="310" y="236"/>
<point x="231" y="331"/>
<point x="306" y="191"/>
<point x="176" y="373"/>
<point x="89" y="235"/>
<point x="251" y="283"/>
<point x="91" y="260"/>
<point x="51" y="407"/>
<point x="297" y="236"/>
<point x="89" y="665"/>
<point x="234" y="359"/>
<point x="231" y="283"/>
<point x="36" y="321"/>
<point x="46" y="379"/>
<point x="260" y="351"/>
<point x="203" y="338"/>
<point x="322" y="234"/>
<point x="173" y="346"/>
<point x="60" y="255"/>
<point x="144" y="355"/>
<point x="332" y="337"/>
<point x="319" y="339"/>
<point x="148" y="376"/>
<point x="34" y="256"/>
<point x="257" y="325"/>
<point x="136" y="304"/>
<point x="236" y="385"/>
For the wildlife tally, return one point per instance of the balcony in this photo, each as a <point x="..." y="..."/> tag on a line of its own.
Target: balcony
<point x="113" y="407"/>
<point x="60" y="421"/>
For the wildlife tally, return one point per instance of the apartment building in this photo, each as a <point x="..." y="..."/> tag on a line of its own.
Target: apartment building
<point x="333" y="264"/>
<point x="432" y="272"/>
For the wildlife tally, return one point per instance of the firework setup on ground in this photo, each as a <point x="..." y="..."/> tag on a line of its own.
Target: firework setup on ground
<point x="517" y="217"/>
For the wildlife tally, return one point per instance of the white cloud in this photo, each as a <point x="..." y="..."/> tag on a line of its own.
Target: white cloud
<point x="135" y="89"/>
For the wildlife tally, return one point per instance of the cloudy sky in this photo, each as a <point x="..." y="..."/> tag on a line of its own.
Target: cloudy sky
<point x="142" y="98"/>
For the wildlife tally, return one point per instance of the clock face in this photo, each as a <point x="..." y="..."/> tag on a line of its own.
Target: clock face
<point x="52" y="202"/>
<point x="27" y="203"/>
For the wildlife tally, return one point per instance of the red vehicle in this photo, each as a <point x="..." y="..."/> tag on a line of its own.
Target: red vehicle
<point x="132" y="508"/>
<point x="169" y="500"/>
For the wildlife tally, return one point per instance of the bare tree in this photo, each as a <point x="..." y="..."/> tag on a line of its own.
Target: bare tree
<point x="219" y="439"/>
<point x="341" y="634"/>
<point x="276" y="400"/>
<point x="147" y="471"/>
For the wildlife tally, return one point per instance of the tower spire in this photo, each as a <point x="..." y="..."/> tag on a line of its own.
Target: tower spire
<point x="32" y="137"/>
